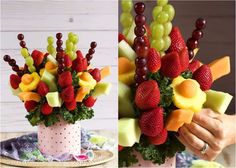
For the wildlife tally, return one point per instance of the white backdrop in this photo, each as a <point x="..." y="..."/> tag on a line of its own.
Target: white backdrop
<point x="91" y="20"/>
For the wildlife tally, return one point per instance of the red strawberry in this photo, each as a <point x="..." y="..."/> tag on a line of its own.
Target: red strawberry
<point x="151" y="122"/>
<point x="89" y="102"/>
<point x="71" y="105"/>
<point x="204" y="77"/>
<point x="67" y="61"/>
<point x="184" y="59"/>
<point x="79" y="64"/>
<point x="15" y="81"/>
<point x="65" y="79"/>
<point x="160" y="138"/>
<point x="30" y="105"/>
<point x="121" y="37"/>
<point x="42" y="88"/>
<point x="67" y="94"/>
<point x="147" y="95"/>
<point x="79" y="54"/>
<point x="46" y="109"/>
<point x="194" y="65"/>
<point x="170" y="65"/>
<point x="120" y="148"/>
<point x="96" y="74"/>
<point x="38" y="57"/>
<point x="153" y="60"/>
<point x="177" y="41"/>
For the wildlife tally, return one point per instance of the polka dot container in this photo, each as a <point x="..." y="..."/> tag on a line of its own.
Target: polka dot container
<point x="59" y="139"/>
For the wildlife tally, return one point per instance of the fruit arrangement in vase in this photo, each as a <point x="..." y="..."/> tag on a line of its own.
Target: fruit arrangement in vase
<point x="161" y="85"/>
<point x="58" y="88"/>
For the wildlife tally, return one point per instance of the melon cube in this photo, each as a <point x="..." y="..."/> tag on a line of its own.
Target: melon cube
<point x="53" y="99"/>
<point x="125" y="50"/>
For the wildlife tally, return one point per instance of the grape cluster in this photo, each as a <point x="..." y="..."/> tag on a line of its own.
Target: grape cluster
<point x="91" y="51"/>
<point x="161" y="26"/>
<point x="197" y="34"/>
<point x="61" y="62"/>
<point x="139" y="44"/>
<point x="50" y="48"/>
<point x="126" y="18"/>
<point x="13" y="64"/>
<point x="71" y="45"/>
<point x="59" y="42"/>
<point x="25" y="53"/>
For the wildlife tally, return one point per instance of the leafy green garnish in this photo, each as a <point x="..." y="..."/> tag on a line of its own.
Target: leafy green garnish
<point x="187" y="74"/>
<point x="126" y="157"/>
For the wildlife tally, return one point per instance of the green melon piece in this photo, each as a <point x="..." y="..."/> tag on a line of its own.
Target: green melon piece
<point x="125" y="105"/>
<point x="217" y="101"/>
<point x="52" y="59"/>
<point x="204" y="164"/>
<point x="98" y="140"/>
<point x="128" y="131"/>
<point x="125" y="50"/>
<point x="101" y="88"/>
<point x="53" y="99"/>
<point x="50" y="80"/>
<point x="131" y="36"/>
<point x="15" y="92"/>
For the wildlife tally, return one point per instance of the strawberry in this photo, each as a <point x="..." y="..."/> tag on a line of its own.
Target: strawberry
<point x="46" y="109"/>
<point x="177" y="41"/>
<point x="153" y="60"/>
<point x="79" y="54"/>
<point x="89" y="102"/>
<point x="151" y="122"/>
<point x="15" y="81"/>
<point x="42" y="88"/>
<point x="71" y="105"/>
<point x="160" y="138"/>
<point x="96" y="74"/>
<point x="204" y="77"/>
<point x="194" y="65"/>
<point x="30" y="105"/>
<point x="79" y="64"/>
<point x="120" y="148"/>
<point x="184" y="59"/>
<point x="65" y="79"/>
<point x="38" y="57"/>
<point x="67" y="61"/>
<point x="121" y="37"/>
<point x="146" y="41"/>
<point x="170" y="65"/>
<point x="67" y="94"/>
<point x="147" y="95"/>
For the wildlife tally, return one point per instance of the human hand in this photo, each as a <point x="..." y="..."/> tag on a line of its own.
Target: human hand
<point x="217" y="130"/>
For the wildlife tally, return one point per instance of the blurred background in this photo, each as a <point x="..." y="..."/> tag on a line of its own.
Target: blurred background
<point x="39" y="19"/>
<point x="218" y="36"/>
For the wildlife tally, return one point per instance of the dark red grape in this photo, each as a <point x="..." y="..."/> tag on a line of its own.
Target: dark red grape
<point x="20" y="73"/>
<point x="93" y="44"/>
<point x="140" y="20"/>
<point x="59" y="49"/>
<point x="141" y="51"/>
<point x="139" y="7"/>
<point x="139" y="79"/>
<point x="88" y="62"/>
<point x="20" y="37"/>
<point x="15" y="68"/>
<point x="89" y="57"/>
<point x="200" y="23"/>
<point x="141" y="71"/>
<point x="139" y="31"/>
<point x="59" y="43"/>
<point x="12" y="62"/>
<point x="191" y="54"/>
<point x="192" y="43"/>
<point x="59" y="35"/>
<point x="138" y="41"/>
<point x="140" y="62"/>
<point x="197" y="34"/>
<point x="22" y="44"/>
<point x="91" y="51"/>
<point x="6" y="58"/>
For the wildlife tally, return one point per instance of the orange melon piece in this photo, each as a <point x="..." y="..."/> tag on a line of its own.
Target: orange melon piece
<point x="127" y="78"/>
<point x="220" y="67"/>
<point x="27" y="79"/>
<point x="177" y="118"/>
<point x="125" y="65"/>
<point x="106" y="71"/>
<point x="51" y="67"/>
<point x="27" y="96"/>
<point x="81" y="93"/>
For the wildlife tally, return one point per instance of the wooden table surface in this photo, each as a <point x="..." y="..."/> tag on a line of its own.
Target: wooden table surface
<point x="110" y="134"/>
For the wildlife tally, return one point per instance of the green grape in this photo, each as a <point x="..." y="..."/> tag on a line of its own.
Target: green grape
<point x="162" y="17"/>
<point x="167" y="28"/>
<point x="70" y="53"/>
<point x="29" y="61"/>
<point x="69" y="45"/>
<point x="75" y="39"/>
<point x="125" y="31"/>
<point x="156" y="11"/>
<point x="167" y="42"/>
<point x="157" y="31"/>
<point x="158" y="44"/>
<point x="24" y="52"/>
<point x="31" y="68"/>
<point x="50" y="40"/>
<point x="70" y="36"/>
<point x="126" y="5"/>
<point x="73" y="57"/>
<point x="126" y="19"/>
<point x="51" y="49"/>
<point x="162" y="2"/>
<point x="74" y="48"/>
<point x="170" y="10"/>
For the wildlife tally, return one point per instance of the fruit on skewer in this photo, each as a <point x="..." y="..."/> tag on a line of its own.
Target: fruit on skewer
<point x="126" y="18"/>
<point x="91" y="51"/>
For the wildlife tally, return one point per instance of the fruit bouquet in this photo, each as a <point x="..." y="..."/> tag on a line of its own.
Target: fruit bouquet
<point x="58" y="88"/>
<point x="161" y="84"/>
